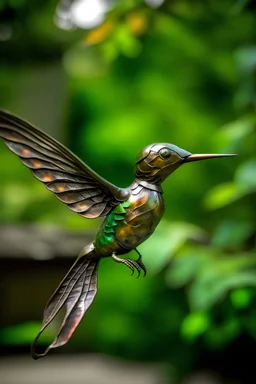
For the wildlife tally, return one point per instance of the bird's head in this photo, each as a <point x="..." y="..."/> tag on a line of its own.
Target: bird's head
<point x="157" y="161"/>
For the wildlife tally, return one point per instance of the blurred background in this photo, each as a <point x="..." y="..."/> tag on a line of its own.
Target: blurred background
<point x="107" y="78"/>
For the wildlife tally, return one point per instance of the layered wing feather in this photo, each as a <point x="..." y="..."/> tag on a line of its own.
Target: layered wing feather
<point x="76" y="292"/>
<point x="62" y="172"/>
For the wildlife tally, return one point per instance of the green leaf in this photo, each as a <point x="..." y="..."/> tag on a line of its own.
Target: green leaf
<point x="185" y="267"/>
<point x="126" y="42"/>
<point x="231" y="234"/>
<point x="246" y="176"/>
<point x="222" y="195"/>
<point x="231" y="135"/>
<point x="168" y="239"/>
<point x="246" y="58"/>
<point x="241" y="298"/>
<point x="227" y="193"/>
<point x="194" y="325"/>
<point x="84" y="62"/>
<point x="212" y="286"/>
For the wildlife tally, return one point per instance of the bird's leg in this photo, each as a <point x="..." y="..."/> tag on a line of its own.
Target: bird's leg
<point x="132" y="264"/>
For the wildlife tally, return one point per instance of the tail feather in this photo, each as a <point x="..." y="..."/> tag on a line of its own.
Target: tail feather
<point x="76" y="291"/>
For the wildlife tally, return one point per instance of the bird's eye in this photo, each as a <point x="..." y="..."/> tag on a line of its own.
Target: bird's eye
<point x="165" y="153"/>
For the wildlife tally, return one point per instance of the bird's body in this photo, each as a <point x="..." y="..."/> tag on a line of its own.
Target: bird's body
<point x="131" y="222"/>
<point x="130" y="214"/>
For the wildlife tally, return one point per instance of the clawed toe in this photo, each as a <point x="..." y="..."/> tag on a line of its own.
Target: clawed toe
<point x="132" y="264"/>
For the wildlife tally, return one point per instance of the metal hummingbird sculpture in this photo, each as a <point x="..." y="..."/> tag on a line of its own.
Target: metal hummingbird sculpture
<point x="130" y="214"/>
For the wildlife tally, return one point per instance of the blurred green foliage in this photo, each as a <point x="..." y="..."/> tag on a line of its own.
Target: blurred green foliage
<point x="183" y="73"/>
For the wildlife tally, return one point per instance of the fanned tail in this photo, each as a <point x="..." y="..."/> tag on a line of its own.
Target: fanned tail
<point x="76" y="291"/>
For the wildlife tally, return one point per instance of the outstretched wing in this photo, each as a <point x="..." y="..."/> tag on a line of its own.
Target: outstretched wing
<point x="63" y="173"/>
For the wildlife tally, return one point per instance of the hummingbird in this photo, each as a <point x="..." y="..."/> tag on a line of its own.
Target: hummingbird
<point x="130" y="214"/>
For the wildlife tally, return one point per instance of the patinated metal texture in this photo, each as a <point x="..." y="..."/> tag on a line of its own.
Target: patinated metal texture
<point x="130" y="214"/>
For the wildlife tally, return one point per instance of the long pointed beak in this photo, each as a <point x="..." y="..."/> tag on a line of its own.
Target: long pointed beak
<point x="205" y="156"/>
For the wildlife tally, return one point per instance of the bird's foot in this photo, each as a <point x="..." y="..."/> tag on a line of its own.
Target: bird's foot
<point x="132" y="264"/>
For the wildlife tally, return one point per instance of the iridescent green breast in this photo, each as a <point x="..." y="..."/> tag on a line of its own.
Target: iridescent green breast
<point x="106" y="235"/>
<point x="130" y="223"/>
